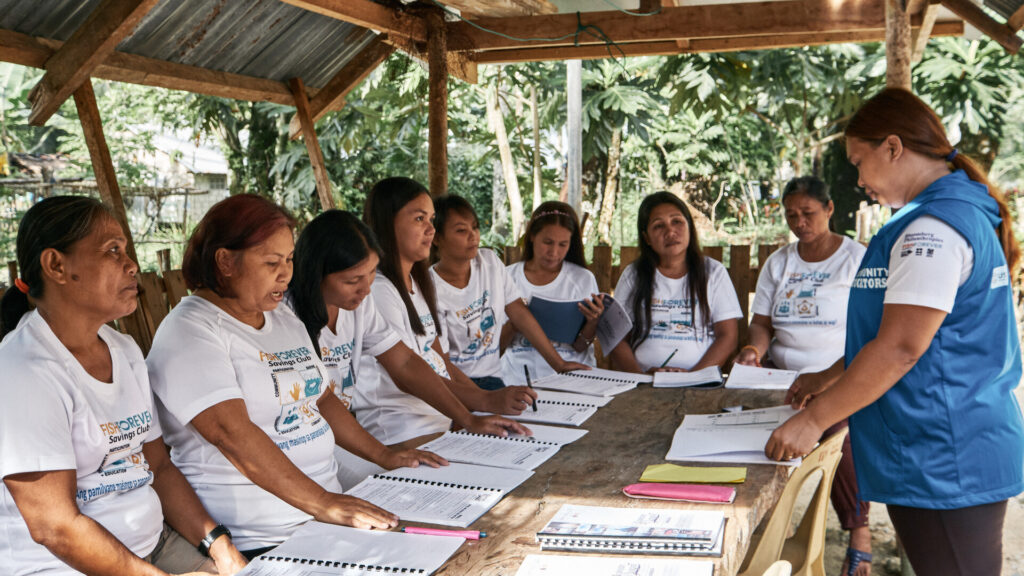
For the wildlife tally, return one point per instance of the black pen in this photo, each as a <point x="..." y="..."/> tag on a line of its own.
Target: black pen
<point x="529" y="384"/>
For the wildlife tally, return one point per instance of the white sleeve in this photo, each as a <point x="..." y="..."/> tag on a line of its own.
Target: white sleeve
<point x="190" y="368"/>
<point x="928" y="264"/>
<point x="767" y="285"/>
<point x="391" y="308"/>
<point x="35" y="421"/>
<point x="722" y="300"/>
<point x="624" y="290"/>
<point x="378" y="337"/>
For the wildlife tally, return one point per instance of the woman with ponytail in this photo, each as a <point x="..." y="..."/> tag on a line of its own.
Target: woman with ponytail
<point x="87" y="481"/>
<point x="932" y="351"/>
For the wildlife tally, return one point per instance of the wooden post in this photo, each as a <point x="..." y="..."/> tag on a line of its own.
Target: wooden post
<point x="316" y="155"/>
<point x="12" y="272"/>
<point x="437" y="115"/>
<point x="102" y="165"/>
<point x="898" y="50"/>
<point x="739" y="272"/>
<point x="601" y="266"/>
<point x="574" y="107"/>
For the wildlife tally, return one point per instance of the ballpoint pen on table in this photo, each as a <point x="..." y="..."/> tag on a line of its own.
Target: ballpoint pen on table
<point x="529" y="384"/>
<point x="467" y="534"/>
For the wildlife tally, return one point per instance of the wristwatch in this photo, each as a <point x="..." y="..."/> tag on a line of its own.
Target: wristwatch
<point x="218" y="531"/>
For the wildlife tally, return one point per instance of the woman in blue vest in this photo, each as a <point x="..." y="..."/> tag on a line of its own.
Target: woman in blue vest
<point x="932" y="352"/>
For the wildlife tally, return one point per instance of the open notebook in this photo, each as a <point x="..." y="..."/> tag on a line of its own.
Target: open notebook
<point x="555" y="412"/>
<point x="521" y="453"/>
<point x="318" y="549"/>
<point x="453" y="495"/>
<point x="760" y="378"/>
<point x="596" y="381"/>
<point x="735" y="437"/>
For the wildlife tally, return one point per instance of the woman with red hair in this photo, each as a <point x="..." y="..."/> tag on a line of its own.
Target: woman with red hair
<point x="247" y="408"/>
<point x="932" y="351"/>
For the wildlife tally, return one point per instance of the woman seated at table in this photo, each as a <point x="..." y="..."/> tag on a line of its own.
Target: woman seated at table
<point x="336" y="259"/>
<point x="683" y="305"/>
<point x="247" y="410"/>
<point x="400" y="213"/>
<point x="799" y="319"/>
<point x="475" y="295"/>
<point x="553" y="268"/>
<point x="87" y="482"/>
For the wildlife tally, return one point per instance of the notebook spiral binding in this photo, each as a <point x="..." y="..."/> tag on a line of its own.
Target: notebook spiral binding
<point x="601" y="378"/>
<point x="507" y="438"/>
<point x="432" y="483"/>
<point x="330" y="564"/>
<point x="561" y="403"/>
<point x="622" y="545"/>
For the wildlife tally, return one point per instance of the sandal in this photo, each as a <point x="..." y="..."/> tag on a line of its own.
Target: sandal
<point x="853" y="559"/>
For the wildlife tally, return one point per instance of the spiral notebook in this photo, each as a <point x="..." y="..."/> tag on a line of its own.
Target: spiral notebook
<point x="318" y="549"/>
<point x="596" y="382"/>
<point x="521" y="453"/>
<point x="634" y="530"/>
<point x="453" y="495"/>
<point x="565" y="413"/>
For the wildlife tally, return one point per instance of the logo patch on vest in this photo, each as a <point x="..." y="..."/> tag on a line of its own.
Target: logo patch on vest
<point x="1000" y="277"/>
<point x="872" y="278"/>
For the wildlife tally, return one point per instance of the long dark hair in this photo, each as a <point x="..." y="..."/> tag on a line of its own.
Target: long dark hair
<point x="58" y="222"/>
<point x="333" y="241"/>
<point x="443" y="207"/>
<point x="895" y="111"/>
<point x="561" y="214"/>
<point x="647" y="263"/>
<point x="384" y="201"/>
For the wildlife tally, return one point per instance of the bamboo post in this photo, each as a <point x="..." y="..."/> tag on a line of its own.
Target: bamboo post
<point x="601" y="266"/>
<point x="316" y="155"/>
<point x="437" y="115"/>
<point x="574" y="110"/>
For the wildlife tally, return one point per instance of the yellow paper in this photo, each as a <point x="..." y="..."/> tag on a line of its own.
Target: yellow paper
<point x="697" y="474"/>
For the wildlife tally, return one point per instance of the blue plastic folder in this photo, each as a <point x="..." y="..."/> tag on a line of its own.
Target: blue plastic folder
<point x="560" y="320"/>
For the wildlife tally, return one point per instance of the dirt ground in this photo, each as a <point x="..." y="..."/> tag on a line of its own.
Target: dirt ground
<point x="883" y="539"/>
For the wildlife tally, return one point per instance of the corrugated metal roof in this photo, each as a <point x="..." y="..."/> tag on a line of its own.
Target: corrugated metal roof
<point x="261" y="38"/>
<point x="1004" y="8"/>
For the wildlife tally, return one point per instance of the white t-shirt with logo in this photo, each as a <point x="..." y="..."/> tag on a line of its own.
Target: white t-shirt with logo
<point x="55" y="416"/>
<point x="473" y="316"/>
<point x="677" y="329"/>
<point x="928" y="264"/>
<point x="385" y="411"/>
<point x="806" y="302"/>
<point x="202" y="356"/>
<point x="572" y="283"/>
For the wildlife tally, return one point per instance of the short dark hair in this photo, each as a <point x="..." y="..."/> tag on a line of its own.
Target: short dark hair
<point x="808" y="186"/>
<point x="561" y="214"/>
<point x="58" y="222"/>
<point x="383" y="202"/>
<point x="333" y="241"/>
<point x="235" y="223"/>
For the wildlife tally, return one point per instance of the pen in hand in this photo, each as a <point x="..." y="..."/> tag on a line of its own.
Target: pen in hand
<point x="526" y="370"/>
<point x="665" y="363"/>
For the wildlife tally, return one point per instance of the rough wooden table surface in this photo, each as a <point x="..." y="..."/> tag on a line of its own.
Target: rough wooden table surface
<point x="626" y="436"/>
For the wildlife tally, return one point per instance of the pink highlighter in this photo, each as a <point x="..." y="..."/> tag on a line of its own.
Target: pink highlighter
<point x="467" y="534"/>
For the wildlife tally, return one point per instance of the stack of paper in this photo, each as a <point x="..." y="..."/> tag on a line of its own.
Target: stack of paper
<point x="710" y="377"/>
<point x="319" y="549"/>
<point x="738" y="437"/>
<point x="453" y="495"/>
<point x="634" y="530"/>
<point x="760" y="378"/>
<point x="507" y="452"/>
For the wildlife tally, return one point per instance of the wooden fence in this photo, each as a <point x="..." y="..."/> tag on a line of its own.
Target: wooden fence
<point x="158" y="293"/>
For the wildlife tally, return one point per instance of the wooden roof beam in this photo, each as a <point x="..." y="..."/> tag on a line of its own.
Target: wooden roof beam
<point x="672" y="23"/>
<point x="501" y="8"/>
<point x="1016" y="20"/>
<point x="316" y="155"/>
<point x="106" y="26"/>
<point x="669" y="47"/>
<point x="1001" y="33"/>
<point x="30" y="51"/>
<point x="920" y="36"/>
<point x="368" y="14"/>
<point x="332" y="95"/>
<point x="460" y="64"/>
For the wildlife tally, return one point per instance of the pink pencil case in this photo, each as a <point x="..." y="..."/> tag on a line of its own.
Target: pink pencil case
<point x="683" y="492"/>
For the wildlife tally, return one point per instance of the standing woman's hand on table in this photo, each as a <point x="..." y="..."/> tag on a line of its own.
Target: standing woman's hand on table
<point x="795" y="438"/>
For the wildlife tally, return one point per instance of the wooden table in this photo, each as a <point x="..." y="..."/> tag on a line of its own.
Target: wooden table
<point x="626" y="436"/>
